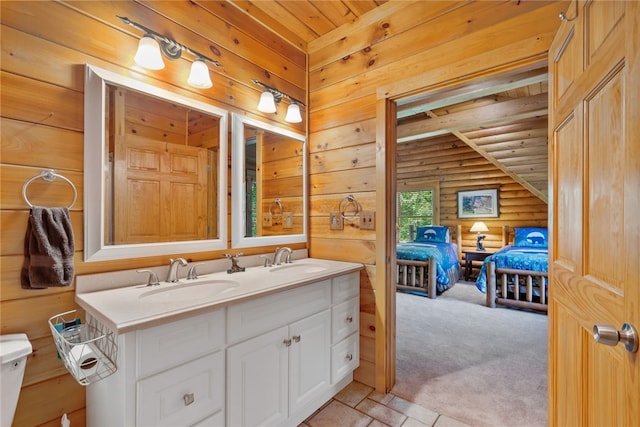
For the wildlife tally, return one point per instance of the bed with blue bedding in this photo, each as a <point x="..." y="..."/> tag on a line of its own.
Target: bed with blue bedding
<point x="517" y="274"/>
<point x="430" y="264"/>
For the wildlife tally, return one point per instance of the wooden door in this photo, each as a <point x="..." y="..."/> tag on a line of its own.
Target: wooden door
<point x="160" y="191"/>
<point x="594" y="65"/>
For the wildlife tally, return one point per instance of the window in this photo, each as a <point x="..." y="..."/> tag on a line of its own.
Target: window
<point x="416" y="208"/>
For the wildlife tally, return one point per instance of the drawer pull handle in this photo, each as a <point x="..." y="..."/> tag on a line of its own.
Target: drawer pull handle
<point x="349" y="357"/>
<point x="349" y="319"/>
<point x="188" y="399"/>
<point x="296" y="338"/>
<point x="287" y="342"/>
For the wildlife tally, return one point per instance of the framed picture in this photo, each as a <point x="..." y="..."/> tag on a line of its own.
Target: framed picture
<point x="478" y="204"/>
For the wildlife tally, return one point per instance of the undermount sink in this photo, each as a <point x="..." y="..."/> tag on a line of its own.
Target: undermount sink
<point x="189" y="291"/>
<point x="299" y="267"/>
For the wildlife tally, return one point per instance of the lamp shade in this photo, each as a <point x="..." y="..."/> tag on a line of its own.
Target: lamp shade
<point x="267" y="103"/>
<point x="293" y="114"/>
<point x="479" y="227"/>
<point x="199" y="76"/>
<point x="148" y="54"/>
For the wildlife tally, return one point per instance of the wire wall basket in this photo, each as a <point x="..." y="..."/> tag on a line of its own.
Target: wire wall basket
<point x="89" y="350"/>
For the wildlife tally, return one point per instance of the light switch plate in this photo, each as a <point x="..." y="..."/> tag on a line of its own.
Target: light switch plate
<point x="367" y="220"/>
<point x="287" y="220"/>
<point x="267" y="220"/>
<point x="336" y="221"/>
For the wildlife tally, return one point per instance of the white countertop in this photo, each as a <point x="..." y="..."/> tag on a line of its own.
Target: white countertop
<point x="126" y="308"/>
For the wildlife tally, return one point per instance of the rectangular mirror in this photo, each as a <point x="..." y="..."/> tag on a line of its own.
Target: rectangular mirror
<point x="269" y="184"/>
<point x="155" y="170"/>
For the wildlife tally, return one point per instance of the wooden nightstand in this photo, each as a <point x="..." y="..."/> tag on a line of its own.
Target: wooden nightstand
<point x="469" y="257"/>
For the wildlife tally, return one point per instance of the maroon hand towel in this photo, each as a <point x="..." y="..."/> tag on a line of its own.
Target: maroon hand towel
<point x="48" y="249"/>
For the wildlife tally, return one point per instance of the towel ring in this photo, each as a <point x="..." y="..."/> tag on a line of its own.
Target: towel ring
<point x="342" y="207"/>
<point x="278" y="204"/>
<point x="49" y="175"/>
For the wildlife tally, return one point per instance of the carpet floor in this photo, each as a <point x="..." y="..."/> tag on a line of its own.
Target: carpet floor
<point x="485" y="367"/>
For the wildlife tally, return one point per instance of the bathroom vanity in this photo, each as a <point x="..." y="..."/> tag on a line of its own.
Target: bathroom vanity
<point x="267" y="346"/>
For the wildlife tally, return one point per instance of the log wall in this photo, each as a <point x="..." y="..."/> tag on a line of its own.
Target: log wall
<point x="44" y="48"/>
<point x="456" y="167"/>
<point x="349" y="70"/>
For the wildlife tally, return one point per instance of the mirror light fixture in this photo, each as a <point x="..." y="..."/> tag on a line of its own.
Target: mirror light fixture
<point x="479" y="227"/>
<point x="271" y="97"/>
<point x="153" y="46"/>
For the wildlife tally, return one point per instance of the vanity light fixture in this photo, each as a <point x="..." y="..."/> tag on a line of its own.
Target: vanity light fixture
<point x="271" y="97"/>
<point x="153" y="46"/>
<point x="293" y="114"/>
<point x="148" y="54"/>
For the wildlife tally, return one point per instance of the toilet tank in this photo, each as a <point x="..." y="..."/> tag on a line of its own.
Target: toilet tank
<point x="14" y="350"/>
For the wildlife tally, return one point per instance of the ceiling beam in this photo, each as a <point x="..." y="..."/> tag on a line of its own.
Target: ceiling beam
<point x="500" y="112"/>
<point x="541" y="195"/>
<point x="469" y="92"/>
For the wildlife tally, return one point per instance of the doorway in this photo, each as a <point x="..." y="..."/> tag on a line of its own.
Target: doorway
<point x="481" y="132"/>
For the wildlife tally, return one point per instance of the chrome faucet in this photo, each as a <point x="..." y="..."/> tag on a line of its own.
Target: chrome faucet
<point x="172" y="275"/>
<point x="277" y="258"/>
<point x="152" y="280"/>
<point x="235" y="268"/>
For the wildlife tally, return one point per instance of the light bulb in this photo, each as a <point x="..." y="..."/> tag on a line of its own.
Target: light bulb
<point x="148" y="54"/>
<point x="267" y="103"/>
<point x="293" y="114"/>
<point x="199" y="76"/>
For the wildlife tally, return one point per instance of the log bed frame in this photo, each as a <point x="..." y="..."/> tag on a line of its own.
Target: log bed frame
<point x="526" y="281"/>
<point x="420" y="276"/>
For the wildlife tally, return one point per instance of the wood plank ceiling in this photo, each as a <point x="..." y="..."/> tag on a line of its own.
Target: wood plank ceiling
<point x="302" y="21"/>
<point x="503" y="118"/>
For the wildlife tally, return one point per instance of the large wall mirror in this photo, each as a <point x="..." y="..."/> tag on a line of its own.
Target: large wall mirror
<point x="155" y="170"/>
<point x="269" y="184"/>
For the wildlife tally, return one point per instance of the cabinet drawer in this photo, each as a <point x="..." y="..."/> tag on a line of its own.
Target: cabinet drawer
<point x="263" y="314"/>
<point x="345" y="319"/>
<point x="168" y="345"/>
<point x="345" y="287"/>
<point x="183" y="395"/>
<point x="345" y="357"/>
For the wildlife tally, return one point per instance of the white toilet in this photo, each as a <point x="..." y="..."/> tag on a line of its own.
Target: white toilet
<point x="14" y="349"/>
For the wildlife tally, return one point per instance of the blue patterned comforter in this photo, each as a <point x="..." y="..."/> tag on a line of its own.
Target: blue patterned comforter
<point x="445" y="254"/>
<point x="516" y="257"/>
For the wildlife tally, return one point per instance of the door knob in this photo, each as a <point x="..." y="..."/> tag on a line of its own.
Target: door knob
<point x="609" y="335"/>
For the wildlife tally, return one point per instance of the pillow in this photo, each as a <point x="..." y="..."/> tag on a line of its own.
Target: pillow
<point x="531" y="236"/>
<point x="432" y="233"/>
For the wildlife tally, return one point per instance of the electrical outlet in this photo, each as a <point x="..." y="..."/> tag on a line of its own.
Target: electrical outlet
<point x="367" y="220"/>
<point x="267" y="220"/>
<point x="287" y="220"/>
<point x="335" y="221"/>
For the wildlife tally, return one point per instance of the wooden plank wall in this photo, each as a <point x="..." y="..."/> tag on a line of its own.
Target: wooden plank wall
<point x="44" y="48"/>
<point x="457" y="167"/>
<point x="396" y="42"/>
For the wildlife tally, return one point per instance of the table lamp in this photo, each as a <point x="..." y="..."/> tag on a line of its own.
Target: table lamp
<point x="479" y="227"/>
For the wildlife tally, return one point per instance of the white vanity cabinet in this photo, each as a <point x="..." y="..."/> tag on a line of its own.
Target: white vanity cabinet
<point x="264" y="360"/>
<point x="281" y="376"/>
<point x="276" y="373"/>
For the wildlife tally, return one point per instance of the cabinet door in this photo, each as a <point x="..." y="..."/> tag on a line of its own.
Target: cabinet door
<point x="309" y="359"/>
<point x="257" y="387"/>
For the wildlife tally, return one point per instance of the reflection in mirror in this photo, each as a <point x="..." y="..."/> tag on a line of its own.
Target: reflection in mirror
<point x="155" y="170"/>
<point x="269" y="184"/>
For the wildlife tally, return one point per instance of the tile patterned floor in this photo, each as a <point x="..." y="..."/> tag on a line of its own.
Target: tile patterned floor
<point x="358" y="405"/>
